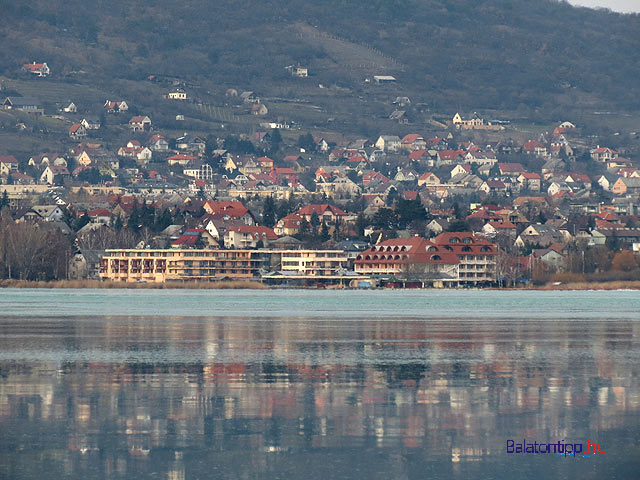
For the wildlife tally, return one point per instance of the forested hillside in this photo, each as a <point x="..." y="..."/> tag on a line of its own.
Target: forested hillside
<point x="502" y="54"/>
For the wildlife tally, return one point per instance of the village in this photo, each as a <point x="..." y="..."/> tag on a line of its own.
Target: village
<point x="467" y="202"/>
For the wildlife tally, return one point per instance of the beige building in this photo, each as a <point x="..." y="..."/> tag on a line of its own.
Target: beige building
<point x="129" y="265"/>
<point x="323" y="263"/>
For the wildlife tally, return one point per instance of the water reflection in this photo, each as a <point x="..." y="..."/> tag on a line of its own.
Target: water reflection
<point x="184" y="398"/>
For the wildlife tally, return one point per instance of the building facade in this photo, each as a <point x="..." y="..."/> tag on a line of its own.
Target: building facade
<point x="130" y="265"/>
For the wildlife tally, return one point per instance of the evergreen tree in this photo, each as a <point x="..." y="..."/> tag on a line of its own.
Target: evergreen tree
<point x="324" y="232"/>
<point x="306" y="142"/>
<point x="5" y="200"/>
<point x="269" y="212"/>
<point x="276" y="140"/>
<point x="134" y="219"/>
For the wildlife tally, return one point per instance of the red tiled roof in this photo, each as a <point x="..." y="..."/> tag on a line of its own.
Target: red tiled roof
<point x="406" y="250"/>
<point x="8" y="159"/>
<point x="511" y="168"/>
<point x="320" y="209"/>
<point x="411" y="137"/>
<point x="234" y="209"/>
<point x="604" y="150"/>
<point x="450" y="154"/>
<point x="34" y="67"/>
<point x="531" y="176"/>
<point x="255" y="231"/>
<point x="417" y="154"/>
<point x="189" y="237"/>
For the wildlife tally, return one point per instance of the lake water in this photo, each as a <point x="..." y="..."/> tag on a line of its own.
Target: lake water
<point x="301" y="384"/>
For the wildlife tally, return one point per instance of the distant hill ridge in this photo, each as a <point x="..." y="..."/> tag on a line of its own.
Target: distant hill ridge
<point x="506" y="54"/>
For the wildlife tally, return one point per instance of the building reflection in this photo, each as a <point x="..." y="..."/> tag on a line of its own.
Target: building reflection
<point x="138" y="396"/>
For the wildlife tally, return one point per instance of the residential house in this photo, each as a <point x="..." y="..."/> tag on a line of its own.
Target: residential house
<point x="195" y="238"/>
<point x="259" y="109"/>
<point x="24" y="104"/>
<point x="85" y="265"/>
<point x="37" y="69"/>
<point x="428" y="178"/>
<point x="249" y="97"/>
<point x="8" y="164"/>
<point x="460" y="169"/>
<point x="91" y="123"/>
<point x="493" y="228"/>
<point x="603" y="154"/>
<point x="229" y="210"/>
<point x="478" y="157"/>
<point x="140" y="123"/>
<point x="472" y="122"/>
<point x="626" y="186"/>
<point x="437" y="226"/>
<point x="449" y="157"/>
<point x="177" y="94"/>
<point x="18" y="178"/>
<point x="69" y="107"/>
<point x="420" y="156"/>
<point x="405" y="175"/>
<point x="389" y="143"/>
<point x="116" y="106"/>
<point x="493" y="186"/>
<point x="158" y="143"/>
<point x="77" y="131"/>
<point x="413" y="142"/>
<point x="534" y="148"/>
<point x="622" y="236"/>
<point x="511" y="169"/>
<point x="49" y="213"/>
<point x="289" y="225"/>
<point x="373" y="177"/>
<point x="50" y="173"/>
<point x="338" y="187"/>
<point x="100" y="215"/>
<point x="541" y="235"/>
<point x="552" y="257"/>
<point x="530" y="181"/>
<point x="45" y="159"/>
<point x="373" y="202"/>
<point x="249" y="236"/>
<point x="326" y="213"/>
<point x="298" y="71"/>
<point x="191" y="143"/>
<point x="266" y="163"/>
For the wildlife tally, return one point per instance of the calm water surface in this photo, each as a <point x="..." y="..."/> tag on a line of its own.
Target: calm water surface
<point x="317" y="384"/>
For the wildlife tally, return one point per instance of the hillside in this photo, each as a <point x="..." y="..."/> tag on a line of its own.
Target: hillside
<point x="448" y="54"/>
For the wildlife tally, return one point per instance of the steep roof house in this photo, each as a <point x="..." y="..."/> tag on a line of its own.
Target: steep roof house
<point x="140" y="123"/>
<point x="37" y="69"/>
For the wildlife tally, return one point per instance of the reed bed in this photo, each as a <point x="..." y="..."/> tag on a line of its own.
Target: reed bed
<point x="615" y="285"/>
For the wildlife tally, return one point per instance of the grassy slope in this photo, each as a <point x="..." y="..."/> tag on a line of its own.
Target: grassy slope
<point x="525" y="57"/>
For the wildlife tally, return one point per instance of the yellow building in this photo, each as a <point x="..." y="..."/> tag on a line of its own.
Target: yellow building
<point x="178" y="94"/>
<point x="129" y="265"/>
<point x="313" y="263"/>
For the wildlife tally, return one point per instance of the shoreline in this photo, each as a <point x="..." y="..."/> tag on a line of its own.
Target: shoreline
<point x="106" y="285"/>
<point x="255" y="285"/>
